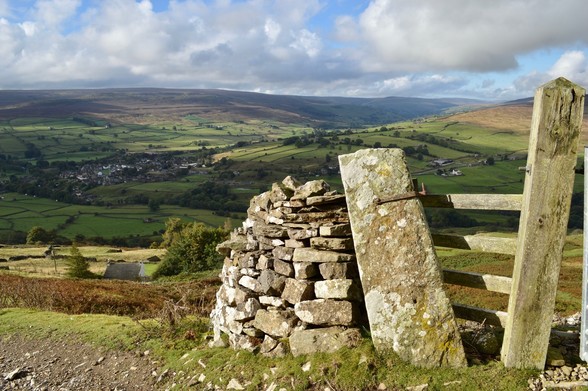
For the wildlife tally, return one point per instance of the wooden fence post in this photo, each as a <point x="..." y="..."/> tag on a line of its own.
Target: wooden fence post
<point x="553" y="142"/>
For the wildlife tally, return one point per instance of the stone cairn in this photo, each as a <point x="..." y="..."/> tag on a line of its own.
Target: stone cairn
<point x="290" y="273"/>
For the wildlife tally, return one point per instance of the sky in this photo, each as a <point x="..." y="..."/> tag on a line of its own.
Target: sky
<point x="481" y="49"/>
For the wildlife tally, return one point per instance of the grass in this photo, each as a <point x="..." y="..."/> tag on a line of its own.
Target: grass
<point x="21" y="212"/>
<point x="360" y="368"/>
<point x="463" y="139"/>
<point x="42" y="267"/>
<point x="349" y="369"/>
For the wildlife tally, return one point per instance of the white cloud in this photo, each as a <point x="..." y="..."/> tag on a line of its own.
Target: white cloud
<point x="272" y="30"/>
<point x="429" y="35"/>
<point x="572" y="65"/>
<point x="394" y="47"/>
<point x="54" y="12"/>
<point x="306" y="42"/>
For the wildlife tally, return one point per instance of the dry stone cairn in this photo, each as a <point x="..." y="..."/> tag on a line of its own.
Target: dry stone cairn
<point x="290" y="273"/>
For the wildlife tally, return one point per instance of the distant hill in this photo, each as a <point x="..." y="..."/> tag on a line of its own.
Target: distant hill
<point x="512" y="116"/>
<point x="145" y="105"/>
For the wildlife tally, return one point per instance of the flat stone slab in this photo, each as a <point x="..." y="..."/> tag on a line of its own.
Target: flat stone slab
<point x="407" y="308"/>
<point x="318" y="256"/>
<point x="324" y="340"/>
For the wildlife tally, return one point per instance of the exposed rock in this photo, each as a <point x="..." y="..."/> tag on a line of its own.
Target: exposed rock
<point x="305" y="270"/>
<point x="331" y="271"/>
<point x="326" y="199"/>
<point x="410" y="312"/>
<point x="338" y="289"/>
<point x="232" y="296"/>
<point x="247" y="310"/>
<point x="268" y="344"/>
<point x="249" y="283"/>
<point x="271" y="283"/>
<point x="237" y="243"/>
<point x="335" y="244"/>
<point x="244" y="342"/>
<point x="280" y="193"/>
<point x="293" y="243"/>
<point x="310" y="189"/>
<point x="283" y="253"/>
<point x="324" y="340"/>
<point x="271" y="301"/>
<point x="324" y="312"/>
<point x="259" y="202"/>
<point x="265" y="263"/>
<point x="270" y="231"/>
<point x="291" y="183"/>
<point x="554" y="357"/>
<point x="276" y="323"/>
<point x="318" y="256"/>
<point x="302" y="233"/>
<point x="335" y="216"/>
<point x="284" y="268"/>
<point x="296" y="291"/>
<point x="279" y="351"/>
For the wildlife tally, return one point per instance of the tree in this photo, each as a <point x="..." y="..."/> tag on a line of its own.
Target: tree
<point x="39" y="235"/>
<point x="490" y="161"/>
<point x="153" y="205"/>
<point x="77" y="265"/>
<point x="191" y="249"/>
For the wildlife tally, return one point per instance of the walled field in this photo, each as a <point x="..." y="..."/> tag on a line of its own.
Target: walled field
<point x="20" y="213"/>
<point x="257" y="155"/>
<point x="34" y="265"/>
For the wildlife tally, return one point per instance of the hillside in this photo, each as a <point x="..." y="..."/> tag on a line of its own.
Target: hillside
<point x="80" y="159"/>
<point x="512" y="116"/>
<point x="142" y="106"/>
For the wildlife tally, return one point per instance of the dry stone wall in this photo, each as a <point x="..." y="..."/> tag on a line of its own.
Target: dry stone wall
<point x="290" y="273"/>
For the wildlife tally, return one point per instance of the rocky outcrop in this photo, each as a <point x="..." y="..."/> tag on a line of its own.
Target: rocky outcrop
<point x="290" y="272"/>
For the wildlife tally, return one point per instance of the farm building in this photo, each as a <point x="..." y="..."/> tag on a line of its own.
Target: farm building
<point x="125" y="271"/>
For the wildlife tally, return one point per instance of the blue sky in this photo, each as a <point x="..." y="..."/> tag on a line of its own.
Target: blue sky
<point x="498" y="50"/>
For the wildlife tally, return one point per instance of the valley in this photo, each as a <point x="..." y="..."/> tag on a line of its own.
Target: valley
<point x="79" y="159"/>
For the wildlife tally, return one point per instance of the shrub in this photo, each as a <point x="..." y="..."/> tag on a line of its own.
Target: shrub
<point x="191" y="248"/>
<point x="77" y="265"/>
<point x="39" y="235"/>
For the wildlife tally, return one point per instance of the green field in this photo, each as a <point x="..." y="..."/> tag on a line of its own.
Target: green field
<point x="20" y="213"/>
<point x="255" y="154"/>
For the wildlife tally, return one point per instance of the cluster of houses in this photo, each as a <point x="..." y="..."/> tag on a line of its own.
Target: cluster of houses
<point x="148" y="168"/>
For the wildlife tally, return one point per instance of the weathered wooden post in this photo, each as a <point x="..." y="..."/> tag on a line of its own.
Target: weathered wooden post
<point x="553" y="142"/>
<point x="407" y="308"/>
<point x="584" y="311"/>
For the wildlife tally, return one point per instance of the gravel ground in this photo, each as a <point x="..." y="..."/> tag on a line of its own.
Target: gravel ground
<point x="28" y="364"/>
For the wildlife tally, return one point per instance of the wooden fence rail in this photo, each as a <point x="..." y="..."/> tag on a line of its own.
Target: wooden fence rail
<point x="538" y="250"/>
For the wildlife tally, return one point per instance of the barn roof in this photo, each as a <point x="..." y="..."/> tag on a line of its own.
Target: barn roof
<point x="125" y="271"/>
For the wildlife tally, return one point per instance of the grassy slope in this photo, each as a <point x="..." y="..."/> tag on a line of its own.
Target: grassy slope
<point x="357" y="369"/>
<point x="20" y="212"/>
<point x="471" y="136"/>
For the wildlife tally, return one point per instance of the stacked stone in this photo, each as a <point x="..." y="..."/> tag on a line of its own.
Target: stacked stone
<point x="290" y="272"/>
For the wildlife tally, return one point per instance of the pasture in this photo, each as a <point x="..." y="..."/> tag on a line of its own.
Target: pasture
<point x="35" y="264"/>
<point x="20" y="213"/>
<point x="90" y="138"/>
<point x="256" y="156"/>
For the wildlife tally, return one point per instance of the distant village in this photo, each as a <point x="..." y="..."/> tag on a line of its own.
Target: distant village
<point x="145" y="167"/>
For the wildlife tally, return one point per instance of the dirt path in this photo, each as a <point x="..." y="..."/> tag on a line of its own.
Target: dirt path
<point x="27" y="364"/>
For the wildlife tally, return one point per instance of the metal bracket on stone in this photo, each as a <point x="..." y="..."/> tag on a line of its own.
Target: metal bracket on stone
<point x="404" y="196"/>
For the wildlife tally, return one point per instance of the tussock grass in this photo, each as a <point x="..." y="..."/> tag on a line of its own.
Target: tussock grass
<point x="104" y="297"/>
